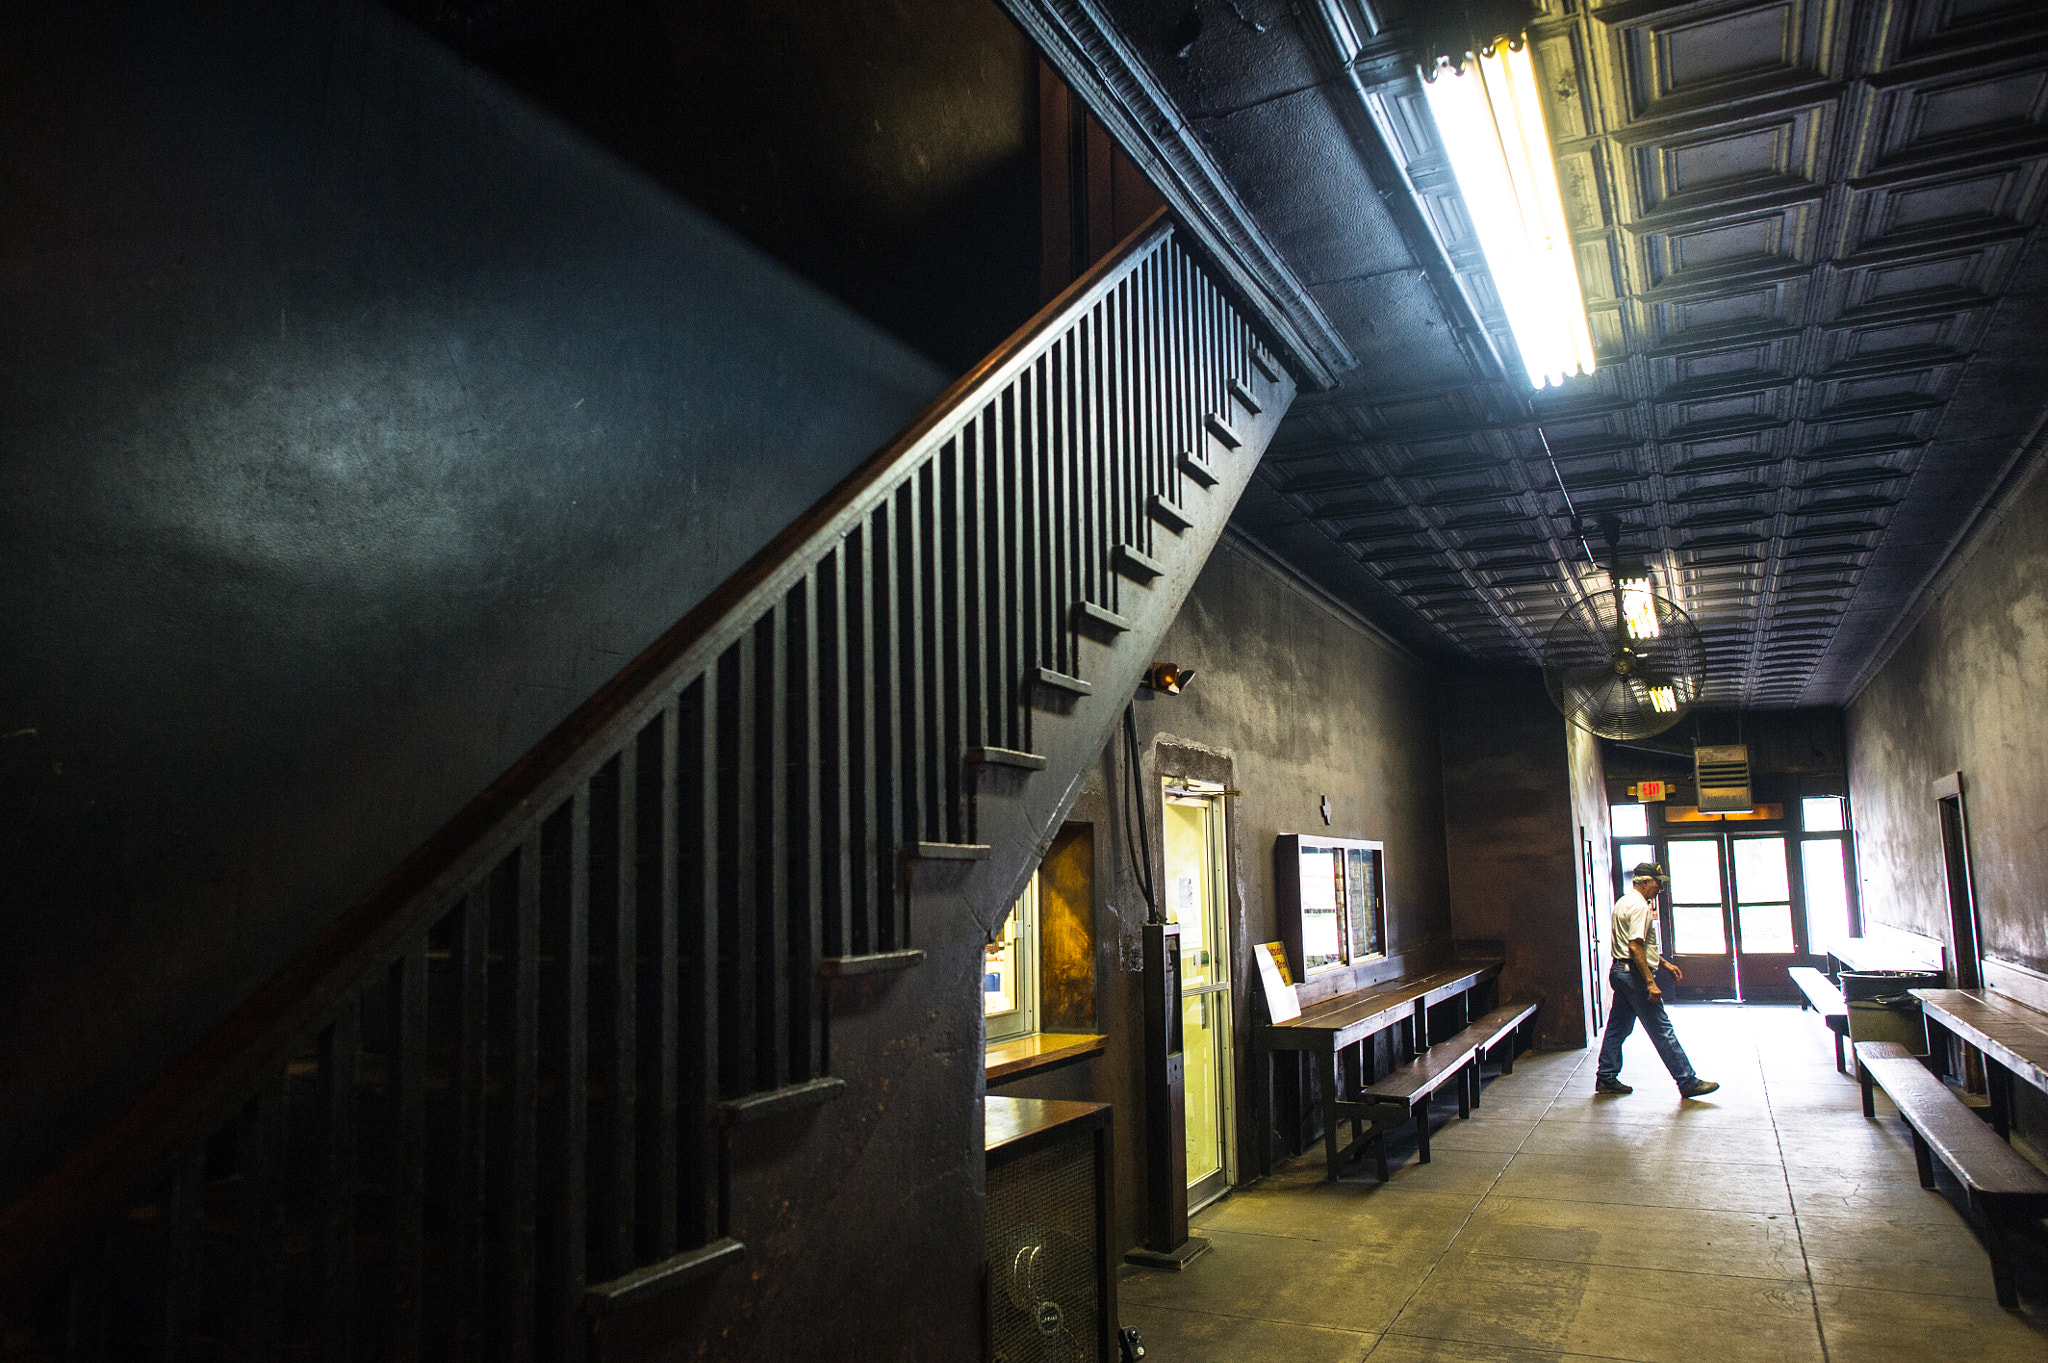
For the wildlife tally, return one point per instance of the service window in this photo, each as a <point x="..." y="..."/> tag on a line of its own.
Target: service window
<point x="1332" y="901"/>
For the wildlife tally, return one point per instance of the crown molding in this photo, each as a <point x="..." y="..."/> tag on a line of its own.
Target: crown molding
<point x="1084" y="46"/>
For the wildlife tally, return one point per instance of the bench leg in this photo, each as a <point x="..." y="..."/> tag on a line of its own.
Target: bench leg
<point x="1869" y="1100"/>
<point x="2001" y="1257"/>
<point x="1841" y="1066"/>
<point x="1330" y="1111"/>
<point x="1465" y="1093"/>
<point x="1507" y="1057"/>
<point x="1420" y="1111"/>
<point x="1923" y="1161"/>
<point x="1478" y="1076"/>
<point x="1998" y="1083"/>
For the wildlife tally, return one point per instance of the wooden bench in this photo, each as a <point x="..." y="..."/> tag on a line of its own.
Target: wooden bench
<point x="1823" y="998"/>
<point x="1404" y="1095"/>
<point x="1326" y="1029"/>
<point x="2002" y="1186"/>
<point x="1503" y="1024"/>
<point x="2012" y="1038"/>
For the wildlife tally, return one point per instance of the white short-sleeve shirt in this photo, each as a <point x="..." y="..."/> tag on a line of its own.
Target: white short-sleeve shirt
<point x="1635" y="918"/>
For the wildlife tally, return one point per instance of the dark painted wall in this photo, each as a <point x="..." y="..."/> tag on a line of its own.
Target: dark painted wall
<point x="886" y="149"/>
<point x="1517" y="786"/>
<point x="357" y="421"/>
<point x="1792" y="754"/>
<point x="1964" y="693"/>
<point x="1293" y="700"/>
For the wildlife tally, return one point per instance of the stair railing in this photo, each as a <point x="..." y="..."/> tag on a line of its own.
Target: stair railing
<point x="496" y="1082"/>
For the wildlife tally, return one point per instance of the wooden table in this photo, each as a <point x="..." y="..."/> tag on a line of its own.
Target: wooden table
<point x="2012" y="1037"/>
<point x="1860" y="954"/>
<point x="1326" y="1029"/>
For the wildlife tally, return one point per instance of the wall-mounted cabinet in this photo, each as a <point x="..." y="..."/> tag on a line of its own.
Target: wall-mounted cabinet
<point x="1332" y="901"/>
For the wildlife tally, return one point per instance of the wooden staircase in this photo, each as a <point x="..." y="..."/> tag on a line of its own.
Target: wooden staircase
<point x="487" y="1107"/>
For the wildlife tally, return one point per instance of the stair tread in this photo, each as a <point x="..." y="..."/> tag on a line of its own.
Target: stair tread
<point x="1006" y="757"/>
<point x="1088" y="613"/>
<point x="1045" y="676"/>
<point x="947" y="851"/>
<point x="1139" y="567"/>
<point x="1167" y="514"/>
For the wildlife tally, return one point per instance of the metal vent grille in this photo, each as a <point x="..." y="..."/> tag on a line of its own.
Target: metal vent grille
<point x="1043" y="1279"/>
<point x="1722" y="776"/>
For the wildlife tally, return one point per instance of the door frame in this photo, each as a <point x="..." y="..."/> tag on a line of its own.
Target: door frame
<point x="1721" y="977"/>
<point x="1221" y="946"/>
<point x="1966" y="956"/>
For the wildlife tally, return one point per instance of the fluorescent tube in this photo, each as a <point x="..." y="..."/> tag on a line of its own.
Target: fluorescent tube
<point x="1490" y="119"/>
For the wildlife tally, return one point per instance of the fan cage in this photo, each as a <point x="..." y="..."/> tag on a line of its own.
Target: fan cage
<point x="1617" y="676"/>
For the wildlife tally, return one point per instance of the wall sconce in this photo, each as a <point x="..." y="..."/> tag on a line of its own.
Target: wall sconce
<point x="1168" y="679"/>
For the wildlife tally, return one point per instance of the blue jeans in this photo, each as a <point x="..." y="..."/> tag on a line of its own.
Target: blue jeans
<point x="1631" y="1001"/>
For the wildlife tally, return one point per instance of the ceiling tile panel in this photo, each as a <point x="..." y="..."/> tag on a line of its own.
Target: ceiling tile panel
<point x="1943" y="209"/>
<point x="1688" y="320"/>
<point x="1809" y="236"/>
<point x="1923" y="29"/>
<point x="1976" y="111"/>
<point x="1672" y="60"/>
<point x="1704" y="171"/>
<point x="1708" y="254"/>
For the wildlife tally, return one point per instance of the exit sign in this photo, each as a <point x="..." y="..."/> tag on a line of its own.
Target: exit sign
<point x="1649" y="792"/>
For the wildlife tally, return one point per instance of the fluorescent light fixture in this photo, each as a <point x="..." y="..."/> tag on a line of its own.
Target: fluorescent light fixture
<point x="1639" y="608"/>
<point x="1663" y="700"/>
<point x="1491" y="122"/>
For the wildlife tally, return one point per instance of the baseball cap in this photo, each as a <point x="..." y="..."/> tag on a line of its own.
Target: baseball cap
<point x="1650" y="869"/>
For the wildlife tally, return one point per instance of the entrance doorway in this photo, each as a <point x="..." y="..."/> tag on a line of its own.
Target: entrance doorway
<point x="1744" y="907"/>
<point x="1964" y="949"/>
<point x="1196" y="879"/>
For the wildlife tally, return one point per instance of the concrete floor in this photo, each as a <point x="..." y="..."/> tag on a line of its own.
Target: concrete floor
<point x="1768" y="1222"/>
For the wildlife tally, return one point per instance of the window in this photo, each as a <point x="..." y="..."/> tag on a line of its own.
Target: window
<point x="1823" y="815"/>
<point x="1628" y="821"/>
<point x="1333" y="909"/>
<point x="1009" y="970"/>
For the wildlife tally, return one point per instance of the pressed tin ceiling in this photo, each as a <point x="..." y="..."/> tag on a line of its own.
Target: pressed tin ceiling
<point x="1808" y="236"/>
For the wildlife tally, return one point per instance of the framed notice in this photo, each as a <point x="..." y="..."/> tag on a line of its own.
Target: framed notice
<point x="1274" y="979"/>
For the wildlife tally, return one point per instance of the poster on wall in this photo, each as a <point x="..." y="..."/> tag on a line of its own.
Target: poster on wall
<point x="1281" y="1002"/>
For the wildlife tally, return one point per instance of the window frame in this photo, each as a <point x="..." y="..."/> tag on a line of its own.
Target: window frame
<point x="1022" y="1020"/>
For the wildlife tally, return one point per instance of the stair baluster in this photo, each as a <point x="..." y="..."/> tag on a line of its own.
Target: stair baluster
<point x="487" y="1104"/>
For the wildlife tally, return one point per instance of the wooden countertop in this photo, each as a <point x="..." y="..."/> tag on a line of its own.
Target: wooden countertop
<point x="1039" y="1052"/>
<point x="1021" y="1121"/>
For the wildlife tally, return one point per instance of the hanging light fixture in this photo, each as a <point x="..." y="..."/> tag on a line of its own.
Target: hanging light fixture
<point x="1490" y="118"/>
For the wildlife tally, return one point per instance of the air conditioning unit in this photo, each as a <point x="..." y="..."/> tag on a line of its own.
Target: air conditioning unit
<point x="1722" y="777"/>
<point x="1051" y="1284"/>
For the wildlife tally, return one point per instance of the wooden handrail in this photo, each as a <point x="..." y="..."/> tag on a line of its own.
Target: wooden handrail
<point x="45" y="1228"/>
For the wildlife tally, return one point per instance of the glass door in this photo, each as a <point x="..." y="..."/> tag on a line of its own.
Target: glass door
<point x="1700" y="940"/>
<point x="1767" y="941"/>
<point x="1195" y="898"/>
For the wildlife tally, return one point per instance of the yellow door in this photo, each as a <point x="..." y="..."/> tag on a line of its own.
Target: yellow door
<point x="1196" y="899"/>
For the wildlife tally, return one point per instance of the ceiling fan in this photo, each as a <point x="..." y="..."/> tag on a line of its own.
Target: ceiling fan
<point x="1624" y="661"/>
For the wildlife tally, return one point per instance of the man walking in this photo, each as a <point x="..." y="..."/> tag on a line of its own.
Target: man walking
<point x="1632" y="941"/>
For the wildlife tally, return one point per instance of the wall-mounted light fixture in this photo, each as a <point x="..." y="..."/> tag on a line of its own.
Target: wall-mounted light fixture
<point x="1490" y="117"/>
<point x="1168" y="679"/>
